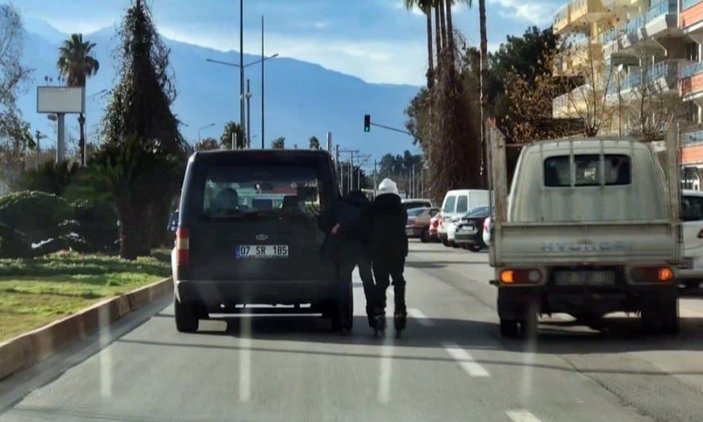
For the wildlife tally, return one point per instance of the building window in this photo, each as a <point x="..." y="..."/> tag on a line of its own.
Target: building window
<point x="692" y="51"/>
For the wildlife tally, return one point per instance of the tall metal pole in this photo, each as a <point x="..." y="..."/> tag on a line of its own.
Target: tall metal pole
<point x="351" y="172"/>
<point x="248" y="96"/>
<point x="241" y="65"/>
<point x="374" y="178"/>
<point x="262" y="84"/>
<point x="61" y="138"/>
<point x="412" y="182"/>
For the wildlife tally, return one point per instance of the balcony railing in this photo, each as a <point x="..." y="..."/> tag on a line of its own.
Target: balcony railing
<point x="692" y="138"/>
<point x="689" y="3"/>
<point x="638" y="22"/>
<point x="663" y="69"/>
<point x="610" y="35"/>
<point x="665" y="7"/>
<point x="691" y="70"/>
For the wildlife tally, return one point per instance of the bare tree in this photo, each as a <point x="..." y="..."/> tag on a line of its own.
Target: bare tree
<point x="589" y="100"/>
<point x="12" y="73"/>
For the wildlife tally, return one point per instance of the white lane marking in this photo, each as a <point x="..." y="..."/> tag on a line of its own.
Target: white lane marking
<point x="105" y="353"/>
<point x="245" y="359"/>
<point x="521" y="416"/>
<point x="465" y="360"/>
<point x="385" y="371"/>
<point x="420" y="317"/>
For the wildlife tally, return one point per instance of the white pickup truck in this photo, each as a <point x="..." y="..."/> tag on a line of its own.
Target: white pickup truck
<point x="590" y="227"/>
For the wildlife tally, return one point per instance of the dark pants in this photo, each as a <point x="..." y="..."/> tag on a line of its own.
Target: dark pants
<point x="384" y="270"/>
<point x="353" y="255"/>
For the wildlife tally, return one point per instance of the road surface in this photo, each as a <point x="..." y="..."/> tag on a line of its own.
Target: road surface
<point x="451" y="365"/>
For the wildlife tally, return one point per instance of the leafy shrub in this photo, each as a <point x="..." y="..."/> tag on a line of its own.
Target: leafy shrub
<point x="96" y="227"/>
<point x="50" y="177"/>
<point x="30" y="217"/>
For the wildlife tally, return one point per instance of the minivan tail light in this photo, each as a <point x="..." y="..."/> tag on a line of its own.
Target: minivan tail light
<point x="182" y="246"/>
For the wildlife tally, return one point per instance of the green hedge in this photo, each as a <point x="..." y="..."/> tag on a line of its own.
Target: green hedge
<point x="96" y="227"/>
<point x="32" y="217"/>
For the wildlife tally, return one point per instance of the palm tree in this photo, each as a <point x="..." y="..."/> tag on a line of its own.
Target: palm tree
<point x="314" y="143"/>
<point x="279" y="143"/>
<point x="232" y="128"/>
<point x="76" y="64"/>
<point x="426" y="7"/>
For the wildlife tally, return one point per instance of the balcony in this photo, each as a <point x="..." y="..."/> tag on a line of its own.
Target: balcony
<point x="561" y="19"/>
<point x="692" y="138"/>
<point x="571" y="104"/>
<point x="662" y="77"/>
<point x="691" y="84"/>
<point x="578" y="14"/>
<point x="691" y="15"/>
<point x="661" y="17"/>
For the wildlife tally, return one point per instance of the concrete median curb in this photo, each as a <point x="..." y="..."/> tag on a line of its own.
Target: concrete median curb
<point x="25" y="350"/>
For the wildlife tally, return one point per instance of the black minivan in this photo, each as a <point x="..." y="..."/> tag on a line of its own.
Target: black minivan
<point x="249" y="233"/>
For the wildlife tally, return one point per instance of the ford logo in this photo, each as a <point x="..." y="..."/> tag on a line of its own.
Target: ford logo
<point x="262" y="237"/>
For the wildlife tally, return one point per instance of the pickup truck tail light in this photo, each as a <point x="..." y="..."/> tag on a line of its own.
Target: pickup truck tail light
<point x="521" y="276"/>
<point x="182" y="246"/>
<point x="652" y="274"/>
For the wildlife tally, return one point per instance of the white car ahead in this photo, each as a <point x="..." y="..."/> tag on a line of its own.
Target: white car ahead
<point x="487" y="231"/>
<point x="691" y="270"/>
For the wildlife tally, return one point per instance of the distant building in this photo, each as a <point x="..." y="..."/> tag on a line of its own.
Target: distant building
<point x="647" y="52"/>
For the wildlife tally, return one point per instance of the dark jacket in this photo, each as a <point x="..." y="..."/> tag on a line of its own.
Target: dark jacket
<point x="384" y="222"/>
<point x="347" y="212"/>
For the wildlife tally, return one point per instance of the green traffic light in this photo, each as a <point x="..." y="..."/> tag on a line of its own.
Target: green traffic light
<point x="367" y="123"/>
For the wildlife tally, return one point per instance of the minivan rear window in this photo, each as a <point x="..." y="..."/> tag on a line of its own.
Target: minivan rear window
<point x="449" y="204"/>
<point x="587" y="170"/>
<point x="238" y="190"/>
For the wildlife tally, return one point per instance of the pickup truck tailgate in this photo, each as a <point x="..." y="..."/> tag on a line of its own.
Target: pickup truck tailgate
<point x="586" y="243"/>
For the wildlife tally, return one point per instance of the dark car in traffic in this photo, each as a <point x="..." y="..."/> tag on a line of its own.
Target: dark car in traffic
<point x="469" y="229"/>
<point x="249" y="233"/>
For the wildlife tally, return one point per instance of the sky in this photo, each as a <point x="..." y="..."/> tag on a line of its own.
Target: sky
<point x="377" y="40"/>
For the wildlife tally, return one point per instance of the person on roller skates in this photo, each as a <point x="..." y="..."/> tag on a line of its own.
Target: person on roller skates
<point x="387" y="242"/>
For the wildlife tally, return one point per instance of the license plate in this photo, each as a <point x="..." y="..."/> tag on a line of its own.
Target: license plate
<point x="468" y="229"/>
<point x="409" y="232"/>
<point x="261" y="251"/>
<point x="686" y="263"/>
<point x="582" y="278"/>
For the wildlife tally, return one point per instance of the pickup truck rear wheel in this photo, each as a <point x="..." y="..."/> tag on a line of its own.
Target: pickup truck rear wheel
<point x="508" y="328"/>
<point x="662" y="315"/>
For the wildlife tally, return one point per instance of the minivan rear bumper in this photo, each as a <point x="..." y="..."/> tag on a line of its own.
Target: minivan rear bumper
<point x="285" y="292"/>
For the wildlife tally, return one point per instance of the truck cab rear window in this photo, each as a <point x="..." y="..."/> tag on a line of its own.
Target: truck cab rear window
<point x="588" y="170"/>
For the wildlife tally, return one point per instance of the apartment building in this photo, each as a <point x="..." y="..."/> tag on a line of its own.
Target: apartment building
<point x="648" y="53"/>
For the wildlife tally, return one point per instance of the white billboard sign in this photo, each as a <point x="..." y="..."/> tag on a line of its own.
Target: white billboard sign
<point x="60" y="99"/>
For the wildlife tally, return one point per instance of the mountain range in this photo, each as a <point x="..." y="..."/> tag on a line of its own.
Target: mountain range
<point x="302" y="99"/>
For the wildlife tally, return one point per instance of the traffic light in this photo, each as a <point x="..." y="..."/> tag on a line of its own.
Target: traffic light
<point x="367" y="123"/>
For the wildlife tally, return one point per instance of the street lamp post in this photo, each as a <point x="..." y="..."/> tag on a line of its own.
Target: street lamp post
<point x="248" y="98"/>
<point x="204" y="127"/>
<point x="243" y="97"/>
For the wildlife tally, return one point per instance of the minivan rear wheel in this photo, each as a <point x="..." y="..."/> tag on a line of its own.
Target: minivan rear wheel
<point x="186" y="319"/>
